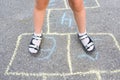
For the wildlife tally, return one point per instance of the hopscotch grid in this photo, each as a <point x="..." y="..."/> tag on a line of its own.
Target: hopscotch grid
<point x="59" y="74"/>
<point x="44" y="75"/>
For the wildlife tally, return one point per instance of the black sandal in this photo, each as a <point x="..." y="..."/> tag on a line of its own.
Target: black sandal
<point x="34" y="47"/>
<point x="89" y="44"/>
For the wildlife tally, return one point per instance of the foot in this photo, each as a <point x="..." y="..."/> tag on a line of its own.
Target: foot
<point x="35" y="44"/>
<point x="87" y="43"/>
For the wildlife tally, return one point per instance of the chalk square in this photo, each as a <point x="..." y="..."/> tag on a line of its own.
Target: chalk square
<point x="105" y="58"/>
<point x="49" y="61"/>
<point x="63" y="22"/>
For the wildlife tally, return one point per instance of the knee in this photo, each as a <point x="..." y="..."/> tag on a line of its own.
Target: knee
<point x="40" y="6"/>
<point x="77" y="7"/>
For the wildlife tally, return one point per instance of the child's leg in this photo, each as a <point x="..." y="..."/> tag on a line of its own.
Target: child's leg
<point x="39" y="13"/>
<point x="78" y="9"/>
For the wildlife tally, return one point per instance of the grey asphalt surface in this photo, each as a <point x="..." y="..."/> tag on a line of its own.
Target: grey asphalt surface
<point x="61" y="50"/>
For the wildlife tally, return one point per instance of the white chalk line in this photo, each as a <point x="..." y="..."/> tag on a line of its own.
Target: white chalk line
<point x="68" y="54"/>
<point x="65" y="2"/>
<point x="44" y="77"/>
<point x="97" y="72"/>
<point x="98" y="5"/>
<point x="48" y="21"/>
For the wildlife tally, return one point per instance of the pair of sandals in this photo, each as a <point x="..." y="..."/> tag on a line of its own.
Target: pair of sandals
<point x="36" y="41"/>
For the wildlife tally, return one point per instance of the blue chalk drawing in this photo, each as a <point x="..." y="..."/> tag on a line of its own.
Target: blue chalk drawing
<point x="49" y="50"/>
<point x="52" y="3"/>
<point x="66" y="19"/>
<point x="89" y="57"/>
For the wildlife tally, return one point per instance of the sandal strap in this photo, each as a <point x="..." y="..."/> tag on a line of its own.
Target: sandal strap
<point x="89" y="45"/>
<point x="34" y="46"/>
<point x="83" y="36"/>
<point x="37" y="37"/>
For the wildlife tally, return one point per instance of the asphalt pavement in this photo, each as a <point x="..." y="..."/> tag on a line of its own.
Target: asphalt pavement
<point x="61" y="56"/>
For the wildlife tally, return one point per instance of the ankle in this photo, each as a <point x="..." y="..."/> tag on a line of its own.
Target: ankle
<point x="81" y="34"/>
<point x="37" y="34"/>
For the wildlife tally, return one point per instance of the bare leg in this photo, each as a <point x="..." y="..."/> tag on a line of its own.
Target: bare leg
<point x="78" y="9"/>
<point x="39" y="13"/>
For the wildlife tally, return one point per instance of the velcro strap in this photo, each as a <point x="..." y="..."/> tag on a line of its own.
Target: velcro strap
<point x="33" y="46"/>
<point x="89" y="45"/>
<point x="83" y="37"/>
<point x="38" y="38"/>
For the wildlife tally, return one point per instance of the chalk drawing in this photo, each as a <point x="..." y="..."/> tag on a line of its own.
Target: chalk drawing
<point x="89" y="56"/>
<point x="64" y="19"/>
<point x="51" y="51"/>
<point x="45" y="75"/>
<point x="97" y="72"/>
